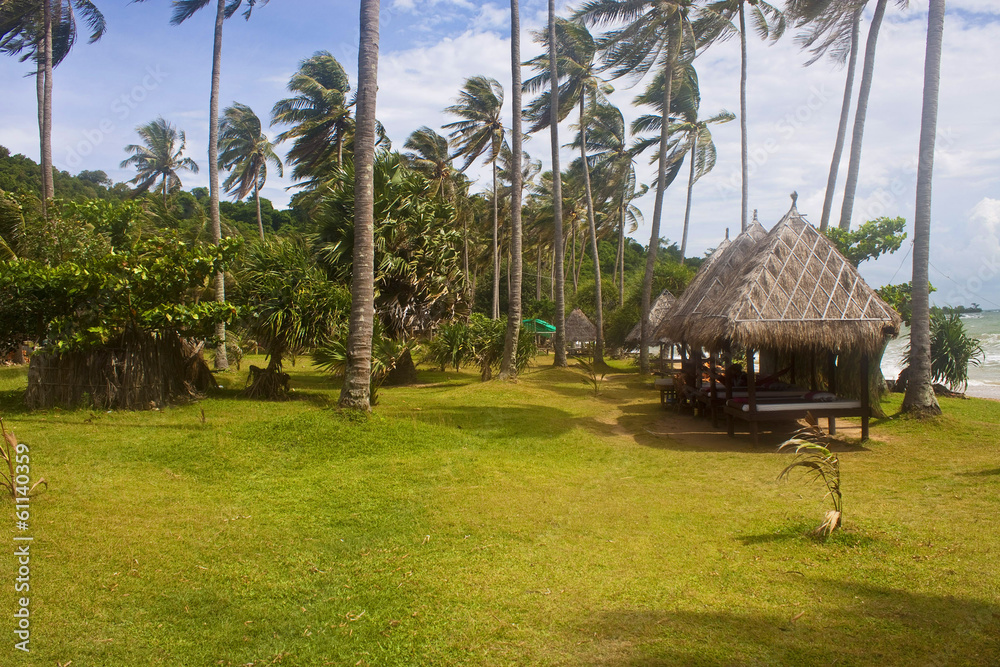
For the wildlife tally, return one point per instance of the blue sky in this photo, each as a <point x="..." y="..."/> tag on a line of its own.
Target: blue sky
<point x="146" y="67"/>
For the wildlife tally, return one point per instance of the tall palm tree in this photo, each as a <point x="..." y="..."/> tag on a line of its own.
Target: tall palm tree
<point x="919" y="397"/>
<point x="44" y="32"/>
<point x="656" y="35"/>
<point x="579" y="83"/>
<point x="356" y="392"/>
<point x="834" y="32"/>
<point x="159" y="158"/>
<point x="558" y="264"/>
<point x="183" y="10"/>
<point x="861" y="113"/>
<point x="508" y="365"/>
<point x="246" y="150"/>
<point x="318" y="114"/>
<point x="717" y="23"/>
<point x="613" y="157"/>
<point x="480" y="131"/>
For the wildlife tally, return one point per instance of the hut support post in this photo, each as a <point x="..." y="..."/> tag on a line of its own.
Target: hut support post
<point x="714" y="388"/>
<point x="831" y="361"/>
<point x="728" y="357"/>
<point x="752" y="395"/>
<point x="865" y="398"/>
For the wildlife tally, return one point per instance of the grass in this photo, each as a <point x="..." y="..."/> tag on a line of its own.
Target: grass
<point x="493" y="524"/>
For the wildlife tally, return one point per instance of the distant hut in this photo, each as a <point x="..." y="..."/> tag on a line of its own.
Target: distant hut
<point x="579" y="329"/>
<point x="660" y="310"/>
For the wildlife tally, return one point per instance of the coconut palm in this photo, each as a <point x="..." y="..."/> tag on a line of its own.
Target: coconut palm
<point x="480" y="131"/>
<point x="655" y="35"/>
<point x="245" y="152"/>
<point x="159" y="158"/>
<point x="44" y="33"/>
<point x="318" y="114"/>
<point x="508" y="365"/>
<point x="717" y="23"/>
<point x="558" y="272"/>
<point x="609" y="149"/>
<point x="833" y="32"/>
<point x="224" y="9"/>
<point x="919" y="397"/>
<point x="579" y="83"/>
<point x="356" y="392"/>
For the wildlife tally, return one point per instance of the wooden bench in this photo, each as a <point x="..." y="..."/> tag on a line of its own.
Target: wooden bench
<point x="779" y="410"/>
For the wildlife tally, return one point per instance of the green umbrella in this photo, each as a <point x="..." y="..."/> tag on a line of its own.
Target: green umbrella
<point x="540" y="327"/>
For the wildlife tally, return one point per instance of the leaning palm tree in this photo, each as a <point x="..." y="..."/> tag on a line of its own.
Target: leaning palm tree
<point x="245" y="152"/>
<point x="43" y="32"/>
<point x="717" y="23"/>
<point x="579" y="84"/>
<point x="919" y="397"/>
<point x="356" y="392"/>
<point x="508" y="364"/>
<point x="183" y="10"/>
<point x="318" y="115"/>
<point x="834" y="32"/>
<point x="159" y="157"/>
<point x="480" y="131"/>
<point x="656" y="35"/>
<point x="558" y="271"/>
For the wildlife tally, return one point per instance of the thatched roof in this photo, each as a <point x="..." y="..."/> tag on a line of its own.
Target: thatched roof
<point x="659" y="310"/>
<point x="714" y="276"/>
<point x="794" y="291"/>
<point x="579" y="328"/>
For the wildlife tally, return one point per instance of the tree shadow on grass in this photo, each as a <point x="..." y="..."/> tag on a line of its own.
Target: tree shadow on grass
<point x="980" y="473"/>
<point x="830" y="622"/>
<point x="501" y="421"/>
<point x="805" y="531"/>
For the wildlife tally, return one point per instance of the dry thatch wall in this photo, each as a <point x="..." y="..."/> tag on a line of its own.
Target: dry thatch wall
<point x="138" y="371"/>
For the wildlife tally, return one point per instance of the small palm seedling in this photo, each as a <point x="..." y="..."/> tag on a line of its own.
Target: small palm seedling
<point x="820" y="465"/>
<point x="14" y="480"/>
<point x="595" y="373"/>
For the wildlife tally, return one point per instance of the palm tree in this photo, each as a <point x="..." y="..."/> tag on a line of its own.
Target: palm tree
<point x="159" y="158"/>
<point x="356" y="392"/>
<point x="834" y="32"/>
<point x="576" y="50"/>
<point x="481" y="132"/>
<point x="558" y="271"/>
<point x="318" y="115"/>
<point x="657" y="34"/>
<point x="860" y="114"/>
<point x="716" y="23"/>
<point x="246" y="150"/>
<point x="614" y="165"/>
<point x="183" y="10"/>
<point x="508" y="365"/>
<point x="919" y="397"/>
<point x="27" y="26"/>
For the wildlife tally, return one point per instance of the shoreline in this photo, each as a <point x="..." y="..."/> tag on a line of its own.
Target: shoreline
<point x="987" y="391"/>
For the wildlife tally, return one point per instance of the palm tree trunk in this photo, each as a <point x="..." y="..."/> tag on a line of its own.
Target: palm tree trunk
<point x="919" y="398"/>
<point x="598" y="298"/>
<point x="538" y="273"/>
<point x="572" y="256"/>
<point x="356" y="392"/>
<point x="508" y="366"/>
<point x="845" y="112"/>
<point x="559" y="279"/>
<point x="687" y="208"/>
<point x="654" y="237"/>
<point x="745" y="197"/>
<point x="867" y="73"/>
<point x="221" y="360"/>
<point x="49" y="190"/>
<point x="40" y="92"/>
<point x="465" y="259"/>
<point x="163" y="190"/>
<point x="621" y="248"/>
<point x="260" y="222"/>
<point x="496" y="249"/>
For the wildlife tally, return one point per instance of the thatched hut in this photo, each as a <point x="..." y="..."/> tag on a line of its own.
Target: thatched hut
<point x="793" y="292"/>
<point x="795" y="296"/>
<point x="579" y="328"/>
<point x="657" y="313"/>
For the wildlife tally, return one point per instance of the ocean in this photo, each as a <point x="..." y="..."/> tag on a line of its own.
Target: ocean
<point x="984" y="379"/>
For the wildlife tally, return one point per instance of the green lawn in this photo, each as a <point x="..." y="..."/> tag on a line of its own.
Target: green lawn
<point x="493" y="524"/>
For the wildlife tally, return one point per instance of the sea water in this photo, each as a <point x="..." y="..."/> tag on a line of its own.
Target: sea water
<point x="984" y="379"/>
